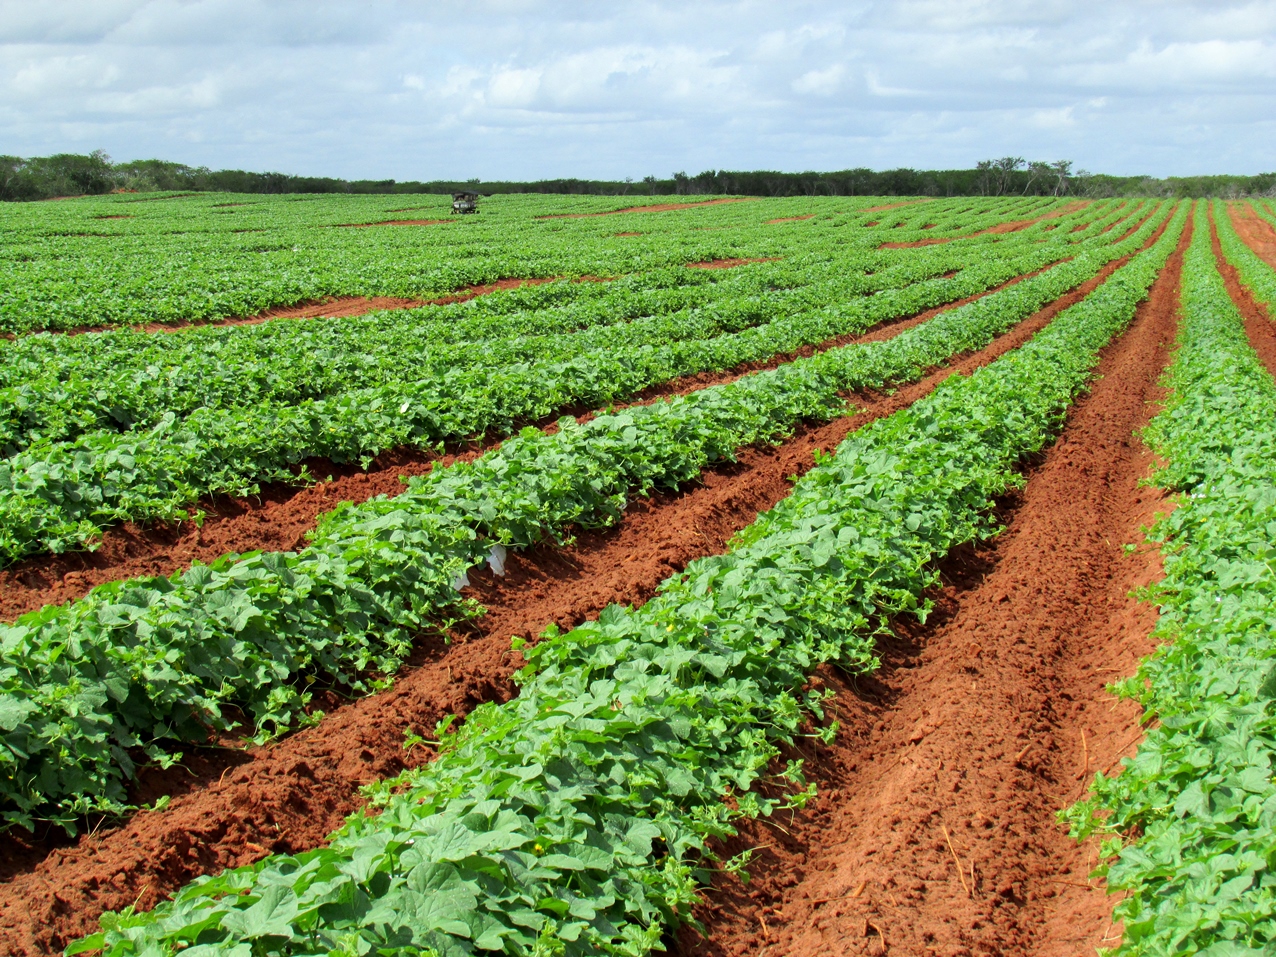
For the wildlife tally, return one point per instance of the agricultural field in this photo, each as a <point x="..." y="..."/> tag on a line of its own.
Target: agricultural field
<point x="724" y="576"/>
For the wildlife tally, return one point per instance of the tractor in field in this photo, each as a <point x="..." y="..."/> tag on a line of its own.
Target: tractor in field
<point x="466" y="202"/>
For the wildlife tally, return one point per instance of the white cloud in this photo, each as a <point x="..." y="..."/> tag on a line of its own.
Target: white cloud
<point x="531" y="88"/>
<point x="820" y="82"/>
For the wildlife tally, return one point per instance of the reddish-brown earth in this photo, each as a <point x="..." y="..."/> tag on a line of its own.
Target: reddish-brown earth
<point x="935" y="832"/>
<point x="1010" y="226"/>
<point x="232" y="807"/>
<point x="878" y="209"/>
<point x="790" y="219"/>
<point x="1256" y="231"/>
<point x="1258" y="323"/>
<point x="336" y="307"/>
<point x="279" y="518"/>
<point x="730" y="263"/>
<point x="118" y="216"/>
<point x="654" y="208"/>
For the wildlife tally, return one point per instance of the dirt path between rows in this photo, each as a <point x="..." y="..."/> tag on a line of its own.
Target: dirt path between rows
<point x="935" y="832"/>
<point x="1258" y="324"/>
<point x="234" y="807"/>
<point x="280" y="517"/>
<point x="331" y="307"/>
<point x="1257" y="232"/>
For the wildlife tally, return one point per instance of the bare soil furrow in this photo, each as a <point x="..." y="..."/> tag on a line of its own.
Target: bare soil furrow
<point x="279" y="518"/>
<point x="1257" y="232"/>
<point x="1259" y="327"/>
<point x="935" y="832"/>
<point x="231" y="807"/>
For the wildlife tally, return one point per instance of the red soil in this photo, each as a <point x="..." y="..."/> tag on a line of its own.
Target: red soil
<point x="280" y="517"/>
<point x="286" y="797"/>
<point x="335" y="307"/>
<point x="654" y="208"/>
<point x="1256" y="231"/>
<point x="1258" y="323"/>
<point x="473" y="292"/>
<point x="790" y="219"/>
<point x="398" y="222"/>
<point x="878" y="209"/>
<point x="935" y="830"/>
<point x="730" y="263"/>
<point x="233" y="807"/>
<point x="1011" y="226"/>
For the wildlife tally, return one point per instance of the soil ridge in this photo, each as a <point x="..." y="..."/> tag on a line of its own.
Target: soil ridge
<point x="935" y="831"/>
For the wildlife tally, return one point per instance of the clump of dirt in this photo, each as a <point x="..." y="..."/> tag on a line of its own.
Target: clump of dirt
<point x="730" y="263"/>
<point x="935" y="831"/>
<point x="654" y="208"/>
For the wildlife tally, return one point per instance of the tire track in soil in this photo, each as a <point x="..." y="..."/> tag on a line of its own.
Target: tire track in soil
<point x="981" y="724"/>
<point x="234" y="807"/>
<point x="279" y="518"/>
<point x="1258" y="323"/>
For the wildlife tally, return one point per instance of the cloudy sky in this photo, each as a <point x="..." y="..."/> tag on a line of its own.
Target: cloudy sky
<point x="517" y="89"/>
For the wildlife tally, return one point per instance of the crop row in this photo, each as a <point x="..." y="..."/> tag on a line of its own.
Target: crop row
<point x="57" y="387"/>
<point x="573" y="820"/>
<point x="60" y="495"/>
<point x="164" y="265"/>
<point x="1191" y="818"/>
<point x="1254" y="272"/>
<point x="139" y="661"/>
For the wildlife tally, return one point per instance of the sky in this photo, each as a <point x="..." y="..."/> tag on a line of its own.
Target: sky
<point x="504" y="89"/>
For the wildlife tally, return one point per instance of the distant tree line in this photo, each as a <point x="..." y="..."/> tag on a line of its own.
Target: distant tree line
<point x="73" y="174"/>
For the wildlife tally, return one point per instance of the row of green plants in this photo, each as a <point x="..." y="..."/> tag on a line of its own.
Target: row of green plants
<point x="1190" y="822"/>
<point x="60" y="495"/>
<point x="54" y="388"/>
<point x="176" y="259"/>
<point x="95" y="683"/>
<point x="576" y="818"/>
<point x="1254" y="272"/>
